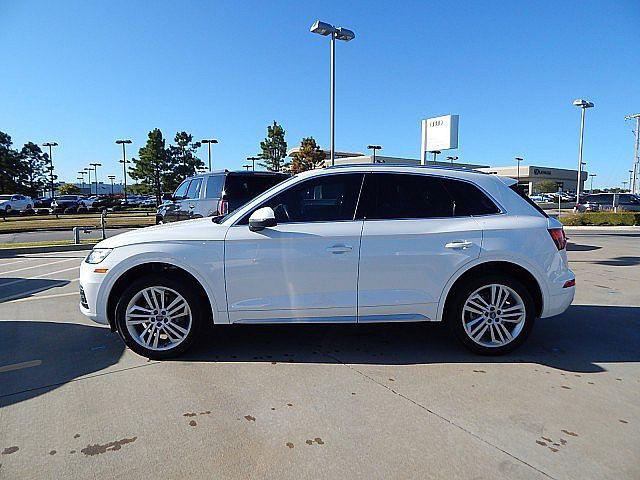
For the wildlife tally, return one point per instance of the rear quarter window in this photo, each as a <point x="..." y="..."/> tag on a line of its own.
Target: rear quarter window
<point x="526" y="198"/>
<point x="215" y="184"/>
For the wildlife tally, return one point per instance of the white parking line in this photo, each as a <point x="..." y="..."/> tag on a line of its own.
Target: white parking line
<point x="11" y="263"/>
<point x="17" y="297"/>
<point x="20" y="280"/>
<point x="20" y="366"/>
<point x="37" y="266"/>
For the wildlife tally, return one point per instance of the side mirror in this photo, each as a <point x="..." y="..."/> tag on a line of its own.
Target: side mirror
<point x="167" y="196"/>
<point x="262" y="218"/>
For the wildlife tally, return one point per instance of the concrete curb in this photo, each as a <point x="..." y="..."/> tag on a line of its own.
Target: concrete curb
<point x="12" y="252"/>
<point x="603" y="228"/>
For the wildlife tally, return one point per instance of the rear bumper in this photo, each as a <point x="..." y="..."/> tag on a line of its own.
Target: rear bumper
<point x="558" y="303"/>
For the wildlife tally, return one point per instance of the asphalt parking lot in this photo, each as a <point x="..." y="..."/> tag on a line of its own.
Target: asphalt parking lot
<point x="388" y="401"/>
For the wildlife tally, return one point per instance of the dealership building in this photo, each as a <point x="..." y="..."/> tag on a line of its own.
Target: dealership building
<point x="529" y="176"/>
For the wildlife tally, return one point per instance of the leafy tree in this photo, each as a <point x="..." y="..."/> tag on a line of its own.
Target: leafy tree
<point x="182" y="160"/>
<point x="308" y="157"/>
<point x="274" y="149"/>
<point x="10" y="165"/>
<point x="68" y="189"/>
<point x="34" y="165"/>
<point x="547" y="186"/>
<point x="153" y="165"/>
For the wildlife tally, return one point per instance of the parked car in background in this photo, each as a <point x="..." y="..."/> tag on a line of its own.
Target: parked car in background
<point x="42" y="202"/>
<point x="15" y="203"/>
<point x="215" y="193"/>
<point x="66" y="203"/>
<point x="605" y="201"/>
<point x="537" y="198"/>
<point x="88" y="202"/>
<point x="149" y="202"/>
<point x="132" y="201"/>
<point x="350" y="244"/>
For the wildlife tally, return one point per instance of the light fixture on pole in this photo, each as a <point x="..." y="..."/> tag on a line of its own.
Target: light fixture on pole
<point x="592" y="175"/>
<point x="452" y="159"/>
<point x="95" y="173"/>
<point x="112" y="178"/>
<point x="435" y="155"/>
<point x="253" y="162"/>
<point x="209" y="141"/>
<point x="339" y="33"/>
<point x="246" y="166"/>
<point x="519" y="159"/>
<point x="124" y="162"/>
<point x="374" y="148"/>
<point x="51" y="145"/>
<point x="583" y="105"/>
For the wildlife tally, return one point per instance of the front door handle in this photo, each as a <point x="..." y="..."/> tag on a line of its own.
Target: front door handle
<point x="458" y="245"/>
<point x="338" y="249"/>
<point x="191" y="205"/>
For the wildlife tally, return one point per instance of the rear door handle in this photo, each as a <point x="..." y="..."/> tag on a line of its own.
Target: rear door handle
<point x="459" y="245"/>
<point x="338" y="249"/>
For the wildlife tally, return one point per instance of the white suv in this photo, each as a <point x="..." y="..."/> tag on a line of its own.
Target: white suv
<point x="15" y="203"/>
<point x="350" y="244"/>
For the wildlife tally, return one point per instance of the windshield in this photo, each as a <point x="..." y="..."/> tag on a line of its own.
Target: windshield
<point x="67" y="197"/>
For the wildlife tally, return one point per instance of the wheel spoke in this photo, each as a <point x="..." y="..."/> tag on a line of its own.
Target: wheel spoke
<point x="479" y="335"/>
<point x="175" y="310"/>
<point x="472" y="309"/>
<point x="148" y="299"/>
<point x="478" y="297"/>
<point x="499" y="332"/>
<point x="505" y="331"/>
<point x="172" y="330"/>
<point x="171" y="334"/>
<point x="494" y="292"/>
<point x="478" y="327"/>
<point x="177" y="327"/>
<point x="473" y="322"/>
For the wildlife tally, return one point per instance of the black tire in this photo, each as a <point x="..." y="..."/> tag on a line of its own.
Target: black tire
<point x="454" y="314"/>
<point x="179" y="285"/>
<point x="70" y="210"/>
<point x="82" y="210"/>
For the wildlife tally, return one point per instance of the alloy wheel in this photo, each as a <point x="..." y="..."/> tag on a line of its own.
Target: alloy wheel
<point x="158" y="318"/>
<point x="493" y="315"/>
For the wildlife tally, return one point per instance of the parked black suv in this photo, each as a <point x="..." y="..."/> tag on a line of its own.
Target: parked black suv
<point x="215" y="193"/>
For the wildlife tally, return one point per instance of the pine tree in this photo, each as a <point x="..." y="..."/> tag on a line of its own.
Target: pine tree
<point x="152" y="163"/>
<point x="274" y="149"/>
<point x="34" y="165"/>
<point x="182" y="159"/>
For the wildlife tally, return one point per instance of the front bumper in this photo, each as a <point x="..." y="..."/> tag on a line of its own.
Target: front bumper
<point x="90" y="283"/>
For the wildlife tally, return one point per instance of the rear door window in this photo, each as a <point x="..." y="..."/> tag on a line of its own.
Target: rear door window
<point x="215" y="183"/>
<point x="402" y="196"/>
<point x="468" y="200"/>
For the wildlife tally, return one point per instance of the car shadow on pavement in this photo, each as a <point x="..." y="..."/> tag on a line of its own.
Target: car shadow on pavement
<point x="620" y="261"/>
<point x="578" y="341"/>
<point x="16" y="288"/>
<point x="578" y="247"/>
<point x="37" y="357"/>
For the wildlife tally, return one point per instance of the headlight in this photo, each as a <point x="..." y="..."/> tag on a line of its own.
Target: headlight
<point x="98" y="254"/>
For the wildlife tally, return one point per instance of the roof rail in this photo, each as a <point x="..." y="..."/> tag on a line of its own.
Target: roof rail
<point x="438" y="167"/>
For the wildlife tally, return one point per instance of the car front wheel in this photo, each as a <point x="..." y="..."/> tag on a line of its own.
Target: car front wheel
<point x="492" y="314"/>
<point x="159" y="317"/>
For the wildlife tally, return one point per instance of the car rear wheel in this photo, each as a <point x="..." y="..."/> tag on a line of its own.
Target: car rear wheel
<point x="159" y="317"/>
<point x="492" y="314"/>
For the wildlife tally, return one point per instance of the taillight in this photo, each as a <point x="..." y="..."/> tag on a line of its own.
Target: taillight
<point x="559" y="238"/>
<point x="223" y="207"/>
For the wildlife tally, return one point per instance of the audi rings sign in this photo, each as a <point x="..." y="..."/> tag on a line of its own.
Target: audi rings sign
<point x="439" y="133"/>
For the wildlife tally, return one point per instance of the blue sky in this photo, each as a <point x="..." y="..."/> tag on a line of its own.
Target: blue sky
<point x="85" y="73"/>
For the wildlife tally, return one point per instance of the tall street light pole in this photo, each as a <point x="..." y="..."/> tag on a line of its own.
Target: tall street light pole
<point x="88" y="170"/>
<point x="636" y="152"/>
<point x="583" y="105"/>
<point x="374" y="148"/>
<point x="124" y="162"/>
<point x="209" y="141"/>
<point x="112" y="178"/>
<point x="336" y="33"/>
<point x="519" y="159"/>
<point x="630" y="180"/>
<point x="51" y="145"/>
<point x="253" y="162"/>
<point x="95" y="173"/>
<point x="82" y="172"/>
